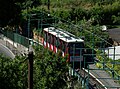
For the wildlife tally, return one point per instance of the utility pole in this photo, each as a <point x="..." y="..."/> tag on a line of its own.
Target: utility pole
<point x="30" y="68"/>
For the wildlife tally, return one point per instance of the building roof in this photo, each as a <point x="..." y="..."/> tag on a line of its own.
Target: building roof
<point x="114" y="34"/>
<point x="63" y="35"/>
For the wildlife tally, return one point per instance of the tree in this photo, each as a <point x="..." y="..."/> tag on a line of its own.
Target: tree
<point x="49" y="71"/>
<point x="52" y="70"/>
<point x="9" y="12"/>
<point x="13" y="74"/>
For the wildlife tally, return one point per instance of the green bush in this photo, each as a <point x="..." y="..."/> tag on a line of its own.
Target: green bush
<point x="78" y="14"/>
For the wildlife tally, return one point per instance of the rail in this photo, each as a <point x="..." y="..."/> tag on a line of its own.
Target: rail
<point x="87" y="79"/>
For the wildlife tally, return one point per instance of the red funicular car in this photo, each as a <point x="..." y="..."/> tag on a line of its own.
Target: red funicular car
<point x="57" y="39"/>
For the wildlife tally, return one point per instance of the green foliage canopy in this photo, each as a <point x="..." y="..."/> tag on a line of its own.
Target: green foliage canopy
<point x="49" y="71"/>
<point x="13" y="74"/>
<point x="52" y="70"/>
<point x="9" y="12"/>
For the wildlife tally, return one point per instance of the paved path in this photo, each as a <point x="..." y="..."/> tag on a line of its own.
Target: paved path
<point x="16" y="48"/>
<point x="6" y="51"/>
<point x="10" y="47"/>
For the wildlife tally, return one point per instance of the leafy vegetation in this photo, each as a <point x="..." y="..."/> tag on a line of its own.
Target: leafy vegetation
<point x="13" y="73"/>
<point x="10" y="12"/>
<point x="52" y="69"/>
<point x="103" y="12"/>
<point x="49" y="71"/>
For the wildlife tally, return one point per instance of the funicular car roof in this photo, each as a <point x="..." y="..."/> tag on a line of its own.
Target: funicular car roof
<point x="63" y="35"/>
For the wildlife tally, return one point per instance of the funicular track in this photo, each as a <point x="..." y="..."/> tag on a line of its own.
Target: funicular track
<point x="103" y="77"/>
<point x="90" y="80"/>
<point x="93" y="82"/>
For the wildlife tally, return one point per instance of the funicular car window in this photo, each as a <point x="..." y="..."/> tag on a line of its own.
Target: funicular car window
<point x="75" y="48"/>
<point x="63" y="46"/>
<point x="45" y="36"/>
<point x="48" y="35"/>
<point x="51" y="39"/>
<point x="60" y="46"/>
<point x="57" y="42"/>
<point x="54" y="41"/>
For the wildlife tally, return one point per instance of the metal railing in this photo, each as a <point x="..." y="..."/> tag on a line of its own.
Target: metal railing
<point x="15" y="37"/>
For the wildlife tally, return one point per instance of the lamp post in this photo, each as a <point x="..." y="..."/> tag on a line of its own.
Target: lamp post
<point x="30" y="68"/>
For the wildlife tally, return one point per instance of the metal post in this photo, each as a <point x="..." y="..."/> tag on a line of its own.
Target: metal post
<point x="93" y="45"/>
<point x="104" y="57"/>
<point x="2" y="71"/>
<point x="80" y="58"/>
<point x="28" y="26"/>
<point x="84" y="72"/>
<point x="87" y="87"/>
<point x="41" y="21"/>
<point x="48" y="4"/>
<point x="108" y="53"/>
<point x="28" y="29"/>
<point x="38" y="24"/>
<point x="39" y="34"/>
<point x="73" y="58"/>
<point x="30" y="69"/>
<point x="113" y="65"/>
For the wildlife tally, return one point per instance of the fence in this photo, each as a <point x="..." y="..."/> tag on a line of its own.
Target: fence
<point x="15" y="37"/>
